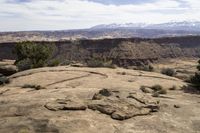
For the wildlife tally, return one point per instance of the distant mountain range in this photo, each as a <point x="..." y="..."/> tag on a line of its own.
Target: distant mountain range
<point x="184" y="25"/>
<point x="128" y="30"/>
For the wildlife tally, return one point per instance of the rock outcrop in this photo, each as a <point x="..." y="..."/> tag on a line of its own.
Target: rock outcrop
<point x="120" y="105"/>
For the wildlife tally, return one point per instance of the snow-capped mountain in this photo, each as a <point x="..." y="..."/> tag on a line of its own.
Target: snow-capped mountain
<point x="115" y="25"/>
<point x="184" y="25"/>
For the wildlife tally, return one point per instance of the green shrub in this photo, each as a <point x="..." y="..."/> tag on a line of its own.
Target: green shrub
<point x="54" y="63"/>
<point x="145" y="89"/>
<point x="159" y="89"/>
<point x="4" y="80"/>
<point x="24" y="64"/>
<point x="109" y="64"/>
<point x="198" y="66"/>
<point x="173" y="88"/>
<point x="31" y="55"/>
<point x="148" y="68"/>
<point x="155" y="94"/>
<point x="195" y="79"/>
<point x="95" y="63"/>
<point x="123" y="73"/>
<point x="65" y="63"/>
<point x="100" y="63"/>
<point x="169" y="71"/>
<point x="163" y="91"/>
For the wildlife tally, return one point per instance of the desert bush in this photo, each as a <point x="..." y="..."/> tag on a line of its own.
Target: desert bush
<point x="195" y="80"/>
<point x="94" y="62"/>
<point x="123" y="73"/>
<point x="146" y="89"/>
<point x="65" y="63"/>
<point x="148" y="68"/>
<point x="173" y="88"/>
<point x="163" y="91"/>
<point x="159" y="89"/>
<point x="191" y="88"/>
<point x="24" y="64"/>
<point x="31" y="55"/>
<point x="53" y="63"/>
<point x="109" y="64"/>
<point x="168" y="71"/>
<point x="155" y="94"/>
<point x="142" y="88"/>
<point x="4" y="80"/>
<point x="198" y="66"/>
<point x="36" y="87"/>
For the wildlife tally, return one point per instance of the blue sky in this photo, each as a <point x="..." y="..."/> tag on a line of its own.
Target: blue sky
<point x="20" y="15"/>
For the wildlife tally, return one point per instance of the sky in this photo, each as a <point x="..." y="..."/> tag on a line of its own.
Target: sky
<point x="23" y="15"/>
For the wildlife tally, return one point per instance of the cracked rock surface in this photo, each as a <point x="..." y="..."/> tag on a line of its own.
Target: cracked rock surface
<point x="120" y="105"/>
<point x="123" y="105"/>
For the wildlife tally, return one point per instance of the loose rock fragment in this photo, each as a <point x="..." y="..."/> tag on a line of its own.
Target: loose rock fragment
<point x="63" y="104"/>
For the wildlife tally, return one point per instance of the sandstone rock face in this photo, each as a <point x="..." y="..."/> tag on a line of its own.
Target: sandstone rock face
<point x="74" y="101"/>
<point x="123" y="52"/>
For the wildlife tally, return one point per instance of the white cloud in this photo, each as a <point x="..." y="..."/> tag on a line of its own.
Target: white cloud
<point x="74" y="14"/>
